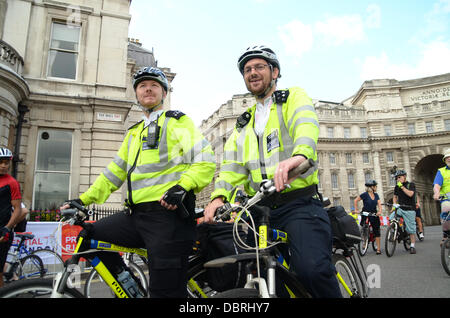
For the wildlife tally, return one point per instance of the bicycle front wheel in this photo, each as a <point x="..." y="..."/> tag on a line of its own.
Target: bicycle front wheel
<point x="348" y="282"/>
<point x="96" y="287"/>
<point x="53" y="263"/>
<point x="445" y="255"/>
<point x="364" y="243"/>
<point x="391" y="239"/>
<point x="34" y="288"/>
<point x="30" y="267"/>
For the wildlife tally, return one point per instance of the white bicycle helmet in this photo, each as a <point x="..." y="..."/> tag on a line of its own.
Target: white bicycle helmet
<point x="150" y="73"/>
<point x="5" y="153"/>
<point x="258" y="51"/>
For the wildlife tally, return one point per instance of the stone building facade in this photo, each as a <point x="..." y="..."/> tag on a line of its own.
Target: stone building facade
<point x="66" y="98"/>
<point x="385" y="124"/>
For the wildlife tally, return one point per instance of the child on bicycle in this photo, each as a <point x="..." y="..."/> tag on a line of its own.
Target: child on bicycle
<point x="441" y="189"/>
<point x="371" y="203"/>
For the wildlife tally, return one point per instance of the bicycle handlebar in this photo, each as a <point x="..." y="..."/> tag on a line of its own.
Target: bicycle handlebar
<point x="267" y="187"/>
<point x="401" y="206"/>
<point x="366" y="213"/>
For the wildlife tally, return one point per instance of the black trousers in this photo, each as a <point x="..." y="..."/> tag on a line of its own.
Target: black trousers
<point x="167" y="237"/>
<point x="310" y="243"/>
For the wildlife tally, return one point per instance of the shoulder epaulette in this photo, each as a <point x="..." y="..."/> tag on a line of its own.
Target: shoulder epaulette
<point x="174" y="114"/>
<point x="243" y="120"/>
<point x="135" y="125"/>
<point x="281" y="96"/>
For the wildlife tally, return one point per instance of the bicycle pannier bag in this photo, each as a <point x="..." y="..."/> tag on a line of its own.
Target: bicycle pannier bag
<point x="343" y="225"/>
<point x="216" y="240"/>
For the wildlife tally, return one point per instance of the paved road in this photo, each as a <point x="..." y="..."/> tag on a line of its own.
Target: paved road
<point x="404" y="275"/>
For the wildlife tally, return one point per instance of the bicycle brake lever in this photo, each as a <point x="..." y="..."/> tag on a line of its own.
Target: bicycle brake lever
<point x="267" y="187"/>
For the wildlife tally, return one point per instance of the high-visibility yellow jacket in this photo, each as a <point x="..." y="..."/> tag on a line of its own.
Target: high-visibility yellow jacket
<point x="183" y="156"/>
<point x="292" y="129"/>
<point x="445" y="188"/>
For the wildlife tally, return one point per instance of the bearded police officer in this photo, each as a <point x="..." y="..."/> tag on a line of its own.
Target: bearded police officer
<point x="271" y="138"/>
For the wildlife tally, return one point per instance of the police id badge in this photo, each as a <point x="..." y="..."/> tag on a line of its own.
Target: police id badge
<point x="272" y="141"/>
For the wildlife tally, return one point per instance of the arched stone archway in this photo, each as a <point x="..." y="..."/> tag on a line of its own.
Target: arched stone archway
<point x="424" y="173"/>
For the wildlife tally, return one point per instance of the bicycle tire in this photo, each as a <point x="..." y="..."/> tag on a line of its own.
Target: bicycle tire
<point x="52" y="261"/>
<point x="390" y="241"/>
<point x="195" y="271"/>
<point x="105" y="290"/>
<point x="374" y="246"/>
<point x="31" y="266"/>
<point x="364" y="243"/>
<point x="238" y="293"/>
<point x="407" y="243"/>
<point x="417" y="230"/>
<point x="346" y="271"/>
<point x="35" y="288"/>
<point x="445" y="255"/>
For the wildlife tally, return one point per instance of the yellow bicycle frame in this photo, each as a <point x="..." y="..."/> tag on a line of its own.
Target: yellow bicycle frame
<point x="102" y="270"/>
<point x="282" y="236"/>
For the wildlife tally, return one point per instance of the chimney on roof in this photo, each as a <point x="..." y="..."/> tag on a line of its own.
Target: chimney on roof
<point x="135" y="41"/>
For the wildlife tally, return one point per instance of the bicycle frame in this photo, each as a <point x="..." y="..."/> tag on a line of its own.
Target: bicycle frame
<point x="275" y="263"/>
<point x="95" y="245"/>
<point x="21" y="250"/>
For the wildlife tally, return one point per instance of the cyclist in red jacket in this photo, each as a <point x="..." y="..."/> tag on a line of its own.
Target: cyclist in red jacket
<point x="10" y="200"/>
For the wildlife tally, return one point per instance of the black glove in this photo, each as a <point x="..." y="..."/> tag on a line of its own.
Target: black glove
<point x="5" y="233"/>
<point x="175" y="196"/>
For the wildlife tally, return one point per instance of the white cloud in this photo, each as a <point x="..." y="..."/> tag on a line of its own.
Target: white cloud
<point x="373" y="19"/>
<point x="296" y="37"/>
<point x="338" y="30"/>
<point x="434" y="60"/>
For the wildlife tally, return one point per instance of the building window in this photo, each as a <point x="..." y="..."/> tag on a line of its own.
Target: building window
<point x="363" y="131"/>
<point x="351" y="180"/>
<point x="52" y="173"/>
<point x="447" y="124"/>
<point x="332" y="156"/>
<point x="365" y="157"/>
<point x="388" y="130"/>
<point x="411" y="129"/>
<point x="336" y="201"/>
<point x="346" y="132"/>
<point x="352" y="203"/>
<point x="389" y="156"/>
<point x="429" y="126"/>
<point x="319" y="176"/>
<point x="334" y="181"/>
<point x="63" y="53"/>
<point x="367" y="176"/>
<point x="330" y="132"/>
<point x="391" y="180"/>
<point x="348" y="157"/>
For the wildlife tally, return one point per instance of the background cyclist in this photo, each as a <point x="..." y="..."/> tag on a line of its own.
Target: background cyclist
<point x="10" y="206"/>
<point x="441" y="187"/>
<point x="404" y="194"/>
<point x="371" y="203"/>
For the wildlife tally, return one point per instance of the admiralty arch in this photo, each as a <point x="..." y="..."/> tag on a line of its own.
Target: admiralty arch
<point x="386" y="124"/>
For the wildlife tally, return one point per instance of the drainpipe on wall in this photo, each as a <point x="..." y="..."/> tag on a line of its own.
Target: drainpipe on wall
<point x="22" y="111"/>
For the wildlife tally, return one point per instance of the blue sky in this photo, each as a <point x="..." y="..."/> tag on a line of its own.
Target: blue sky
<point x="327" y="47"/>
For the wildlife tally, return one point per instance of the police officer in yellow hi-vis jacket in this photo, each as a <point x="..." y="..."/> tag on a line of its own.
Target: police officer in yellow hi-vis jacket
<point x="271" y="138"/>
<point x="164" y="160"/>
